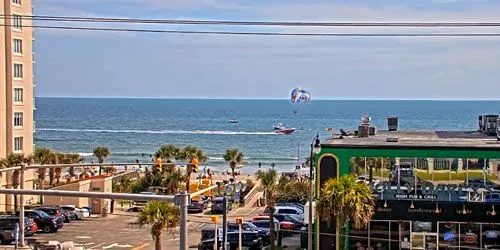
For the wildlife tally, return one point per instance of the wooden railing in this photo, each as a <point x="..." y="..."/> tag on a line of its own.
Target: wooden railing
<point x="250" y="194"/>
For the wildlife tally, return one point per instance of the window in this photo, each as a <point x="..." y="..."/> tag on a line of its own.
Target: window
<point x="17" y="21"/>
<point x="18" y="70"/>
<point x="18" y="95"/>
<point x="18" y="119"/>
<point x="18" y="46"/>
<point x="18" y="143"/>
<point x="17" y="2"/>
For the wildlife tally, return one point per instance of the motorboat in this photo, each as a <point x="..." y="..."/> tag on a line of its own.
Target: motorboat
<point x="233" y="121"/>
<point x="286" y="131"/>
<point x="279" y="126"/>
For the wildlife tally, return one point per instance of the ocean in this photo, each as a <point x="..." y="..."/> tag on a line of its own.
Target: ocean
<point x="135" y="128"/>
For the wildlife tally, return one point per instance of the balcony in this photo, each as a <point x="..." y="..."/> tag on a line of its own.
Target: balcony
<point x="33" y="57"/>
<point x="34" y="104"/>
<point x="34" y="127"/>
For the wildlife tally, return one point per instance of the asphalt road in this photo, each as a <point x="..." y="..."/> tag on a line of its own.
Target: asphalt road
<point x="119" y="231"/>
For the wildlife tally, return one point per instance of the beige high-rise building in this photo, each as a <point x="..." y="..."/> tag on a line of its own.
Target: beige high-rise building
<point x="16" y="83"/>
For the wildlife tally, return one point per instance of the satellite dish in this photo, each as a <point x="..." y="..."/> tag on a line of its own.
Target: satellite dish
<point x="238" y="187"/>
<point x="229" y="189"/>
<point x="244" y="186"/>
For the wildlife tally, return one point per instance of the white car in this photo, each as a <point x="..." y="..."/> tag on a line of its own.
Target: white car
<point x="289" y="210"/>
<point x="83" y="211"/>
<point x="366" y="180"/>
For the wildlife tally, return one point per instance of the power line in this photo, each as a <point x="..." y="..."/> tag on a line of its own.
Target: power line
<point x="263" y="33"/>
<point x="254" y="23"/>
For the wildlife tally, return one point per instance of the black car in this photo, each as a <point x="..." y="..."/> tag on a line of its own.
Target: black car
<point x="208" y="232"/>
<point x="7" y="227"/>
<point x="45" y="222"/>
<point x="55" y="211"/>
<point x="197" y="206"/>
<point x="250" y="240"/>
<point x="249" y="226"/>
<point x="218" y="205"/>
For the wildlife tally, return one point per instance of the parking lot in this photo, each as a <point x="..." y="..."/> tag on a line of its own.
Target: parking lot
<point x="119" y="231"/>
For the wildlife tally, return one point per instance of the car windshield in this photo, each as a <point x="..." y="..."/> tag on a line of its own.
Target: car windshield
<point x="252" y="226"/>
<point x="41" y="213"/>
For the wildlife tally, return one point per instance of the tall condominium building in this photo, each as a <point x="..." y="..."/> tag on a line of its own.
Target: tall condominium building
<point x="16" y="82"/>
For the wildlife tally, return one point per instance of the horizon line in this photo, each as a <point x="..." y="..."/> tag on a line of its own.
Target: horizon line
<point x="263" y="98"/>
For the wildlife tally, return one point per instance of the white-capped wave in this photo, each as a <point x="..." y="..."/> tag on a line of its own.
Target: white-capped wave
<point x="201" y="132"/>
<point x="86" y="154"/>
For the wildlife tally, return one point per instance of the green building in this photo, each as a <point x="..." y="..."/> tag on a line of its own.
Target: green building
<point x="435" y="190"/>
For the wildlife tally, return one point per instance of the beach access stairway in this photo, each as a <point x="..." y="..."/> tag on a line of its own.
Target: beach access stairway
<point x="252" y="198"/>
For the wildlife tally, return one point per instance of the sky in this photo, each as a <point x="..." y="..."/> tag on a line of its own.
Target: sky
<point x="111" y="64"/>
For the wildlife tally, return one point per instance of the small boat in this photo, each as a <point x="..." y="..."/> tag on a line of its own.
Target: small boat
<point x="286" y="131"/>
<point x="279" y="126"/>
<point x="233" y="121"/>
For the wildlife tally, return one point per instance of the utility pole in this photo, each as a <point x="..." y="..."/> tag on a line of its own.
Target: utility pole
<point x="21" y="212"/>
<point x="224" y="222"/>
<point x="183" y="200"/>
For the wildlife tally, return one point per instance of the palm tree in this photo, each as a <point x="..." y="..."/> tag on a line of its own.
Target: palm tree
<point x="61" y="158"/>
<point x="346" y="201"/>
<point x="101" y="153"/>
<point x="73" y="159"/>
<point x="269" y="180"/>
<point x="234" y="157"/>
<point x="188" y="153"/>
<point x="168" y="152"/>
<point x="43" y="156"/>
<point x="160" y="216"/>
<point x="12" y="179"/>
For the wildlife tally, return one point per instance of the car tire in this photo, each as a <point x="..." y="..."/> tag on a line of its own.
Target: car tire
<point x="47" y="229"/>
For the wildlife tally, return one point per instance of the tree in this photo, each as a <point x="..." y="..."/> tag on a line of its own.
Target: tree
<point x="43" y="156"/>
<point x="234" y="157"/>
<point x="187" y="154"/>
<point x="168" y="152"/>
<point x="101" y="153"/>
<point x="268" y="180"/>
<point x="13" y="177"/>
<point x="346" y="201"/>
<point x="160" y="216"/>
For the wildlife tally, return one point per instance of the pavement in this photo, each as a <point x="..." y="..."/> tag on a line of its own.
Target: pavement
<point x="119" y="231"/>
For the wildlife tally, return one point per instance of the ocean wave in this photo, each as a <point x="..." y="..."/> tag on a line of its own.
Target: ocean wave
<point x="200" y="132"/>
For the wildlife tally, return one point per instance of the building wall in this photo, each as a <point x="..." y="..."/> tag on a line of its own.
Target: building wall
<point x="7" y="85"/>
<point x="81" y="186"/>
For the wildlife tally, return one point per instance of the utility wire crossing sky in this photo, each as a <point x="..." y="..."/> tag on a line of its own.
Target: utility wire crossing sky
<point x="384" y="51"/>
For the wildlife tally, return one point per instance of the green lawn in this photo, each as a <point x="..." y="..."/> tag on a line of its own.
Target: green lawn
<point x="454" y="176"/>
<point x="438" y="176"/>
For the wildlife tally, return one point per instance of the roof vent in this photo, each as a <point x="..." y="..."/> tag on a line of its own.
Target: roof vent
<point x="392" y="139"/>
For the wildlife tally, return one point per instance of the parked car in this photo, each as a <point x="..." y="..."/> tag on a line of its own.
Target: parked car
<point x="249" y="226"/>
<point x="366" y="179"/>
<point x="55" y="211"/>
<point x="8" y="225"/>
<point x="292" y="204"/>
<point x="88" y="209"/>
<point x="262" y="220"/>
<point x="289" y="210"/>
<point x="218" y="205"/>
<point x="197" y="206"/>
<point x="75" y="212"/>
<point x="47" y="223"/>
<point x="481" y="183"/>
<point x="250" y="240"/>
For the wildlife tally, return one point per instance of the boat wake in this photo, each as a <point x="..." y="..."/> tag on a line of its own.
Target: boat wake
<point x="133" y="131"/>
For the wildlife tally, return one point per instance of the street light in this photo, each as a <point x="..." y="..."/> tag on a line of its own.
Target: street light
<point x="230" y="188"/>
<point x="315" y="148"/>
